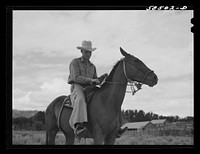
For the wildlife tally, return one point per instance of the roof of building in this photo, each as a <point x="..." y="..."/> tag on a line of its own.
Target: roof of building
<point x="136" y="125"/>
<point x="158" y="121"/>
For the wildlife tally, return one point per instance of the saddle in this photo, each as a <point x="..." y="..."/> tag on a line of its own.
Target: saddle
<point x="89" y="93"/>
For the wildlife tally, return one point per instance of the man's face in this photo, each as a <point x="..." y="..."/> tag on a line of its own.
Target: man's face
<point x="86" y="54"/>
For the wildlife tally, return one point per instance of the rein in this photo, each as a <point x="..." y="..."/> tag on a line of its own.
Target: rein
<point x="132" y="83"/>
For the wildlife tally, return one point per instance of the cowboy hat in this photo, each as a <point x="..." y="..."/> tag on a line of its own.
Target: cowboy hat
<point x="86" y="45"/>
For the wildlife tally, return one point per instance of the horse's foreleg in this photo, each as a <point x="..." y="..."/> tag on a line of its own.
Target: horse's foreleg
<point x="110" y="139"/>
<point x="99" y="140"/>
<point x="98" y="136"/>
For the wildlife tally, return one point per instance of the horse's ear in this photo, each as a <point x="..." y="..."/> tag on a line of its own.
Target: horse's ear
<point x="124" y="53"/>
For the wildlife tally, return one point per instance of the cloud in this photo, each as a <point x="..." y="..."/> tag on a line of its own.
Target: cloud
<point x="21" y="102"/>
<point x="26" y="102"/>
<point x="44" y="43"/>
<point x="38" y="79"/>
<point x="181" y="107"/>
<point x="171" y="96"/>
<point x="56" y="85"/>
<point x="40" y="98"/>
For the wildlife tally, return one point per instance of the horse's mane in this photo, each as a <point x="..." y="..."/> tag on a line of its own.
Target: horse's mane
<point x="110" y="76"/>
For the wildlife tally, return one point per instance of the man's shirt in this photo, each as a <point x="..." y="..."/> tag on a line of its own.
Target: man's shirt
<point x="81" y="71"/>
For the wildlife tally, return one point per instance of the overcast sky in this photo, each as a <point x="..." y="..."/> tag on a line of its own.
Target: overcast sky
<point x="44" y="43"/>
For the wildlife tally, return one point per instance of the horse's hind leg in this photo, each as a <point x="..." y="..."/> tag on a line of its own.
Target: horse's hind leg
<point x="52" y="129"/>
<point x="69" y="138"/>
<point x="51" y="136"/>
<point x="65" y="127"/>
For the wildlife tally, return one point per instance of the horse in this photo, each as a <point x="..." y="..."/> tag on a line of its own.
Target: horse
<point x="104" y="108"/>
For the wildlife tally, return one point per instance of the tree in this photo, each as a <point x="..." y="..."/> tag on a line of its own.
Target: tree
<point x="131" y="116"/>
<point x="39" y="116"/>
<point x="38" y="125"/>
<point x="136" y="116"/>
<point x="140" y="116"/>
<point x="176" y="118"/>
<point x="148" y="116"/>
<point x="155" y="116"/>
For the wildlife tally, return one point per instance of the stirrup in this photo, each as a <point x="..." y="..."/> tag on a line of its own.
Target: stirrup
<point x="77" y="133"/>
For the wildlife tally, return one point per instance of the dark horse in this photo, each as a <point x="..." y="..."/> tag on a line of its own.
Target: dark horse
<point x="105" y="107"/>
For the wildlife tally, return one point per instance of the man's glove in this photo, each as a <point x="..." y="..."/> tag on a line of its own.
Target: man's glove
<point x="102" y="77"/>
<point x="95" y="82"/>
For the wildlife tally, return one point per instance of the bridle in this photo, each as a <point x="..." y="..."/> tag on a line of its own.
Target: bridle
<point x="132" y="83"/>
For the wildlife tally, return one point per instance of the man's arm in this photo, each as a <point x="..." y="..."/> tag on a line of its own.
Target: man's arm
<point x="95" y="73"/>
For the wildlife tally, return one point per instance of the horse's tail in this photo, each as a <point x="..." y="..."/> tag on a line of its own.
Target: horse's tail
<point x="46" y="128"/>
<point x="46" y="138"/>
<point x="47" y="123"/>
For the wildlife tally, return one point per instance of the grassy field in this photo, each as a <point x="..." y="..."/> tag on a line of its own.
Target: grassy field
<point x="38" y="138"/>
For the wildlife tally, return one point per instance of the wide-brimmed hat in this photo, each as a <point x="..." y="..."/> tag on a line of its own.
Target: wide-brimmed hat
<point x="86" y="45"/>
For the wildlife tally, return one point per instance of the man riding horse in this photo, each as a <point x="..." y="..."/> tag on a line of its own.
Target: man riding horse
<point x="103" y="111"/>
<point x="82" y="74"/>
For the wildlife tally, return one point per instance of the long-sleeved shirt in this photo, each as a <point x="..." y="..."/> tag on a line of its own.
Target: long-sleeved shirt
<point x="81" y="72"/>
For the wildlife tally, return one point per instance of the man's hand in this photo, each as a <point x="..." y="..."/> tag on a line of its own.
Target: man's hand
<point x="95" y="81"/>
<point x="103" y="77"/>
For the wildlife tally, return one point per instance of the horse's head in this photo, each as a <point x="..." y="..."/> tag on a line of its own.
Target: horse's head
<point x="136" y="70"/>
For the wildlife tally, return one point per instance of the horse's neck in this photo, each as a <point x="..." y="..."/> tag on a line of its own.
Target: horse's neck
<point x="117" y="89"/>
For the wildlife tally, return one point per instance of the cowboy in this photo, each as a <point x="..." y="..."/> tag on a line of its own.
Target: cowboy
<point x="82" y="74"/>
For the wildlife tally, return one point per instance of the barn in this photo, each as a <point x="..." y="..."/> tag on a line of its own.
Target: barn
<point x="160" y="127"/>
<point x="159" y="122"/>
<point x="145" y="127"/>
<point x="135" y="125"/>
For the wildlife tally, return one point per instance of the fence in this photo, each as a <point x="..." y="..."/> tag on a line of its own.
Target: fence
<point x="166" y="130"/>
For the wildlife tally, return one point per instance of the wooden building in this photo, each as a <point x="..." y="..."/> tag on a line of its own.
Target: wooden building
<point x="136" y="126"/>
<point x="160" y="127"/>
<point x="145" y="127"/>
<point x="159" y="122"/>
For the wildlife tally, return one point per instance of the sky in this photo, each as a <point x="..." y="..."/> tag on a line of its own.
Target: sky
<point x="45" y="41"/>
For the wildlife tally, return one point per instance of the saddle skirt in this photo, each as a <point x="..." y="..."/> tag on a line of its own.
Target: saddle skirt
<point x="67" y="102"/>
<point x="89" y="93"/>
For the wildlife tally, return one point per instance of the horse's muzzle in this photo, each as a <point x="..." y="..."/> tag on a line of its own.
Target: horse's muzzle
<point x="154" y="81"/>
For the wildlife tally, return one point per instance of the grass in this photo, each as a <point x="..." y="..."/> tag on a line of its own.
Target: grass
<point x="28" y="137"/>
<point x="128" y="138"/>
